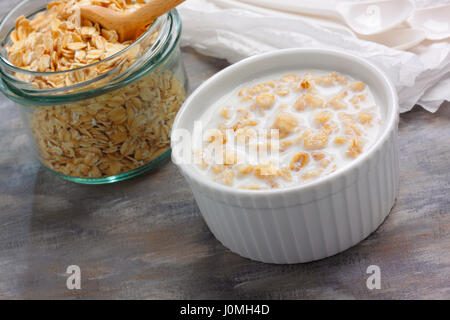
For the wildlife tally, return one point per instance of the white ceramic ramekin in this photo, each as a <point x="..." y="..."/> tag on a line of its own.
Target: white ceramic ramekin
<point x="311" y="221"/>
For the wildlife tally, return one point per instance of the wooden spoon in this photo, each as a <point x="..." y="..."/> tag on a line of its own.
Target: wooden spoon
<point x="128" y="25"/>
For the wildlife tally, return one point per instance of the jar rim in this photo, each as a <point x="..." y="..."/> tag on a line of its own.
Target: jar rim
<point x="168" y="23"/>
<point x="4" y="60"/>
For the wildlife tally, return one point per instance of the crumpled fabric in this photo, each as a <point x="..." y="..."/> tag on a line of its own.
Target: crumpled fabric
<point x="421" y="75"/>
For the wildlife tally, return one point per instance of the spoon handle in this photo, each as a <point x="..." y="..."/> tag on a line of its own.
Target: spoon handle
<point x="153" y="9"/>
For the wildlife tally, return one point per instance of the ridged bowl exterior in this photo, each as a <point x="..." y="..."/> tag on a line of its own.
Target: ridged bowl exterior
<point x="309" y="222"/>
<point x="329" y="219"/>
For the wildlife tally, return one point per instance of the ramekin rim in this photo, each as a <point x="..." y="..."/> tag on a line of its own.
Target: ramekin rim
<point x="391" y="118"/>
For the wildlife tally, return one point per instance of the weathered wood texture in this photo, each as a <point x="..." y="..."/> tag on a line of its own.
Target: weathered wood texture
<point x="145" y="238"/>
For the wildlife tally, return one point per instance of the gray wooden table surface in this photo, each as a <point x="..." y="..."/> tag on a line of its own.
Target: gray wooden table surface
<point x="145" y="238"/>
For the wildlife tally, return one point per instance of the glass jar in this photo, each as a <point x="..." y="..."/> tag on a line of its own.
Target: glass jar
<point x="103" y="122"/>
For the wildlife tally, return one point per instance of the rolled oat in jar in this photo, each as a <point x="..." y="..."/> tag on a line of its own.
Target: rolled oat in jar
<point x="97" y="110"/>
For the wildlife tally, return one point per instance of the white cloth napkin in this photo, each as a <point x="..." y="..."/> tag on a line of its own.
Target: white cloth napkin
<point x="421" y="74"/>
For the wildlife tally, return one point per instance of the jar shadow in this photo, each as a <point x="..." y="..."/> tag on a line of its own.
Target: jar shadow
<point x="56" y="198"/>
